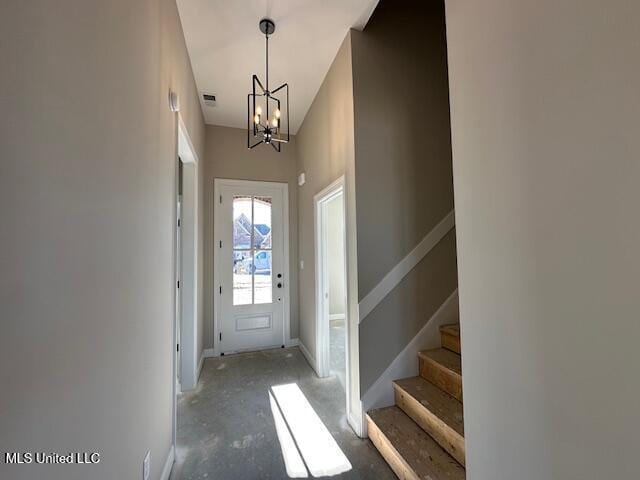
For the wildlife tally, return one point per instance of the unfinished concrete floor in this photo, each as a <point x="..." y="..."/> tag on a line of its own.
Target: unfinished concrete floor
<point x="226" y="429"/>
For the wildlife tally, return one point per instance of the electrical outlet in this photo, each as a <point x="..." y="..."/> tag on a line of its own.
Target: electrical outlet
<point x="146" y="466"/>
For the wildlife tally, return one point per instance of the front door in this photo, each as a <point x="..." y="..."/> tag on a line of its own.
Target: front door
<point x="250" y="265"/>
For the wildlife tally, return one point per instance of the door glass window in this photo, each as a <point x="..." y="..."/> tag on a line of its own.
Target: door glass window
<point x="242" y="278"/>
<point x="262" y="224"/>
<point x="262" y="285"/>
<point x="252" y="256"/>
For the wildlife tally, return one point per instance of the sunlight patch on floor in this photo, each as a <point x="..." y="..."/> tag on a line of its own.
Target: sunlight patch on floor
<point x="304" y="437"/>
<point x="292" y="459"/>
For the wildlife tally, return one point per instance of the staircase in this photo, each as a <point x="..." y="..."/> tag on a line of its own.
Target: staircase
<point x="422" y="436"/>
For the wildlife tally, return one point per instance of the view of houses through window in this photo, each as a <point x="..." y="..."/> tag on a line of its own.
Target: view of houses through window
<point x="252" y="282"/>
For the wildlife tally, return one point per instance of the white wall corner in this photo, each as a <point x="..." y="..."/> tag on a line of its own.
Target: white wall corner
<point x="168" y="464"/>
<point x="380" y="394"/>
<point x="308" y="356"/>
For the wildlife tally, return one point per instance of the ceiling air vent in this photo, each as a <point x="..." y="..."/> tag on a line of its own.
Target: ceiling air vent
<point x="209" y="100"/>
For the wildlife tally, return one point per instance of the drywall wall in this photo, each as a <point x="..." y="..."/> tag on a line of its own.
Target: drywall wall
<point x="87" y="185"/>
<point x="325" y="150"/>
<point x="325" y="145"/>
<point x="545" y="102"/>
<point x="403" y="171"/>
<point x="227" y="156"/>
<point x="335" y="255"/>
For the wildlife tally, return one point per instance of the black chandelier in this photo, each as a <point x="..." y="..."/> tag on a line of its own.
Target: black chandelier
<point x="267" y="112"/>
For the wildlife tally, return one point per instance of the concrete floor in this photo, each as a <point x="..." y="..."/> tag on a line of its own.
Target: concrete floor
<point x="226" y="429"/>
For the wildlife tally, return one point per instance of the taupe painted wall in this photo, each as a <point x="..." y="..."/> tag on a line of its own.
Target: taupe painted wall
<point x="403" y="171"/>
<point x="87" y="191"/>
<point x="325" y="152"/>
<point x="545" y="105"/>
<point x="227" y="156"/>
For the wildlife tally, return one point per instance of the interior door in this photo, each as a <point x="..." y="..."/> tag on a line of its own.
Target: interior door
<point x="251" y="266"/>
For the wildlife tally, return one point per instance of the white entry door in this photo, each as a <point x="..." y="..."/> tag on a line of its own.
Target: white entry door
<point x="251" y="265"/>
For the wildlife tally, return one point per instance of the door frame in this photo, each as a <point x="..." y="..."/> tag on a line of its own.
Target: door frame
<point x="286" y="313"/>
<point x="320" y="201"/>
<point x="190" y="366"/>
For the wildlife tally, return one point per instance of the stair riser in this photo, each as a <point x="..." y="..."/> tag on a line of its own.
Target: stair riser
<point x="442" y="377"/>
<point x="448" y="438"/>
<point x="402" y="470"/>
<point x="450" y="342"/>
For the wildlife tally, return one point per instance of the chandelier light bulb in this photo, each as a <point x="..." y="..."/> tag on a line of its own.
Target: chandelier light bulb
<point x="258" y="110"/>
<point x="274" y="122"/>
<point x="256" y="119"/>
<point x="277" y="113"/>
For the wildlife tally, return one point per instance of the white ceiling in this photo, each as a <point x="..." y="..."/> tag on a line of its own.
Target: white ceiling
<point x="227" y="48"/>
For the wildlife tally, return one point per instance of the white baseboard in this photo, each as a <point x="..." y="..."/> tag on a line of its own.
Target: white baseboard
<point x="380" y="394"/>
<point x="397" y="273"/>
<point x="293" y="342"/>
<point x="336" y="316"/>
<point x="308" y="356"/>
<point x="168" y="464"/>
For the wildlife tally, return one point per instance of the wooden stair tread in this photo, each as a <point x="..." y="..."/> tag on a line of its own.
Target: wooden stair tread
<point x="452" y="329"/>
<point x="410" y="451"/>
<point x="436" y="412"/>
<point x="444" y="357"/>
<point x="443" y="405"/>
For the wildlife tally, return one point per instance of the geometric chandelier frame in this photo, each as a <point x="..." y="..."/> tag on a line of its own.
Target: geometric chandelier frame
<point x="266" y="109"/>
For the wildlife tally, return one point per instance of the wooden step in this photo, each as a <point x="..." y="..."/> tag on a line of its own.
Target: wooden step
<point x="443" y="368"/>
<point x="438" y="413"/>
<point x="410" y="452"/>
<point x="450" y="337"/>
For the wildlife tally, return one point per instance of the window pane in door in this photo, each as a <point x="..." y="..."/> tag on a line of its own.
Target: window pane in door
<point x="242" y="221"/>
<point x="262" y="222"/>
<point x="242" y="277"/>
<point x="262" y="281"/>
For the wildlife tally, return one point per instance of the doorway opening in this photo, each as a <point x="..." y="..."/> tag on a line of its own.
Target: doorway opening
<point x="186" y="267"/>
<point x="186" y="368"/>
<point x="331" y="275"/>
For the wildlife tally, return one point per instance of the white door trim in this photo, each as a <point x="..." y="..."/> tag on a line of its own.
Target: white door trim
<point x="320" y="201"/>
<point x="185" y="151"/>
<point x="284" y="188"/>
<point x="321" y="363"/>
<point x="189" y="263"/>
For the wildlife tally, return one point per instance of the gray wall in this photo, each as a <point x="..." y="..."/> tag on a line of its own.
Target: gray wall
<point x="325" y="152"/>
<point x="403" y="171"/>
<point x="227" y="156"/>
<point x="545" y="105"/>
<point x="87" y="191"/>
